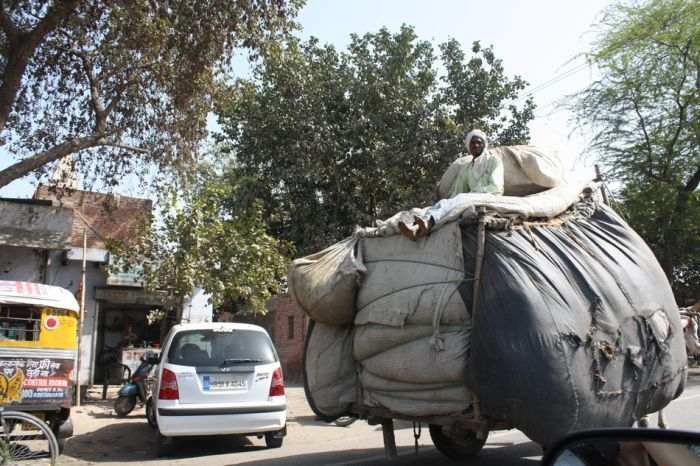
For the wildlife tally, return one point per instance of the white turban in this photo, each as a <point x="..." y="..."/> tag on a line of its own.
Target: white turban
<point x="479" y="134"/>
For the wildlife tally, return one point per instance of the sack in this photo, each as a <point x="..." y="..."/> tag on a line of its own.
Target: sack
<point x="330" y="379"/>
<point x="325" y="284"/>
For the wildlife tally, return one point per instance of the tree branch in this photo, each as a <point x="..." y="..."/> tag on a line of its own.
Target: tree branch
<point x="647" y="140"/>
<point x="35" y="161"/>
<point x="693" y="182"/>
<point x="127" y="147"/>
<point x="681" y="114"/>
<point x="21" y="48"/>
<point x="7" y="25"/>
<point x="95" y="100"/>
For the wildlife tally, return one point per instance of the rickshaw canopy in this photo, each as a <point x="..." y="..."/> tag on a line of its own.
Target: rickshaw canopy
<point x="37" y="294"/>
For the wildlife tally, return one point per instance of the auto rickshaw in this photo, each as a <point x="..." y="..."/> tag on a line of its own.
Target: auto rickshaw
<point x="38" y="351"/>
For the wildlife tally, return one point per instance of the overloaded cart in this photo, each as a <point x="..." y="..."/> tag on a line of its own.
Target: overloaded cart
<point x="540" y="310"/>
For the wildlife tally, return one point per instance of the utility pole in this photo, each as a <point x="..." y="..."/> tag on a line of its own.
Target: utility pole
<point x="81" y="318"/>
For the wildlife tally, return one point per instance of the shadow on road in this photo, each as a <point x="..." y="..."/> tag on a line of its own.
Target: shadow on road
<point x="522" y="454"/>
<point x="127" y="442"/>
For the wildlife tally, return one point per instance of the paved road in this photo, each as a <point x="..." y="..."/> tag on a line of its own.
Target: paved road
<point x="101" y="439"/>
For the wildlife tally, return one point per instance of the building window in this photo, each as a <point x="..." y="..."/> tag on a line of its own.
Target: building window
<point x="290" y="327"/>
<point x="20" y="323"/>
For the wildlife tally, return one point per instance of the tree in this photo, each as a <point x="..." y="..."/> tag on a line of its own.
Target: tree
<point x="212" y="236"/>
<point x="119" y="83"/>
<point x="340" y="138"/>
<point x="644" y="112"/>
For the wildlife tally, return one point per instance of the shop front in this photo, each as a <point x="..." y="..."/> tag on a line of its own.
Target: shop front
<point x="127" y="326"/>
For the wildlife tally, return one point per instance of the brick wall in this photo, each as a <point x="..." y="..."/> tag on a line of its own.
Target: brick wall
<point x="103" y="216"/>
<point x="286" y="324"/>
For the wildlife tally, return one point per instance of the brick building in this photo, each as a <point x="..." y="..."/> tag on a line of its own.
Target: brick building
<point x="287" y="325"/>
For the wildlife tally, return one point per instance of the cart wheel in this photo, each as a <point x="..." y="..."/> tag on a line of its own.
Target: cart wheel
<point x="456" y="444"/>
<point x="344" y="421"/>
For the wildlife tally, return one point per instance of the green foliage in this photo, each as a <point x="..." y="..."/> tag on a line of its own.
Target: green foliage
<point x="339" y="138"/>
<point x="644" y="114"/>
<point x="122" y="82"/>
<point x="213" y="236"/>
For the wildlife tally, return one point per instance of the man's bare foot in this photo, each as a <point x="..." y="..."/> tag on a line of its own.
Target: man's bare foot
<point x="423" y="226"/>
<point x="407" y="231"/>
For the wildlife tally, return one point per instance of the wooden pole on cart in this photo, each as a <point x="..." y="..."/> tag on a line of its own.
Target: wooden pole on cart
<point x="599" y="178"/>
<point x="82" y="315"/>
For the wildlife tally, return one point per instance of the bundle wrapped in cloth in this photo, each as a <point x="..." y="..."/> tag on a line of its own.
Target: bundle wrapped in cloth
<point x="574" y="324"/>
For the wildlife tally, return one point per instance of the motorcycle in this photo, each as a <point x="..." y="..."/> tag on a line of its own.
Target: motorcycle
<point x="135" y="389"/>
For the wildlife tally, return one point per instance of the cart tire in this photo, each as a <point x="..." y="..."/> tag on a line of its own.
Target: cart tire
<point x="344" y="421"/>
<point x="124" y="405"/>
<point x="464" y="446"/>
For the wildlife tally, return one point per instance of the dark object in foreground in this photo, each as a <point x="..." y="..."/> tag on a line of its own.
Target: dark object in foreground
<point x="610" y="447"/>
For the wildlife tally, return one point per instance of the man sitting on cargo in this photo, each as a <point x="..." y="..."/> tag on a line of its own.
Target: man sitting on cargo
<point x="483" y="174"/>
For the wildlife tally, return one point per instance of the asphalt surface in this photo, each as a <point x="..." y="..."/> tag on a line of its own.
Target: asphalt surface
<point x="101" y="438"/>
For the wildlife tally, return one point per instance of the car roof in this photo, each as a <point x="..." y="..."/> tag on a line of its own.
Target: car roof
<point x="218" y="325"/>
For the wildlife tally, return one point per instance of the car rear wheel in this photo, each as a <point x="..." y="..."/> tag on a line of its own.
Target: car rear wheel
<point x="273" y="439"/>
<point x="163" y="445"/>
<point x="456" y="444"/>
<point x="151" y="413"/>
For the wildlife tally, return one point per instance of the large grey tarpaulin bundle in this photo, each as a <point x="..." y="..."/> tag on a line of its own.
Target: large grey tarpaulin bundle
<point x="575" y="325"/>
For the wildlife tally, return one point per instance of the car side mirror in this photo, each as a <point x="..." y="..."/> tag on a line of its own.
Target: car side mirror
<point x="626" y="447"/>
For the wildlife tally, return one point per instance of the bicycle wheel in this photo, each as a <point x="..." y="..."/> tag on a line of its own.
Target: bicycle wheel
<point x="26" y="439"/>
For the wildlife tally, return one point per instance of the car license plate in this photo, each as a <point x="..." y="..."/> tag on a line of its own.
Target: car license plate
<point x="229" y="382"/>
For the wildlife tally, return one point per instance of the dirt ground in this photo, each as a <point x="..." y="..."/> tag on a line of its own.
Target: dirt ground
<point x="102" y="438"/>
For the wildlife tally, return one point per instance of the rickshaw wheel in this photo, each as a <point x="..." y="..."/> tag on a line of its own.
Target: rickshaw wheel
<point x="26" y="438"/>
<point x="456" y="444"/>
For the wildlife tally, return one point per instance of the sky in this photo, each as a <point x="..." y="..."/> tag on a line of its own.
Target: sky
<point x="539" y="40"/>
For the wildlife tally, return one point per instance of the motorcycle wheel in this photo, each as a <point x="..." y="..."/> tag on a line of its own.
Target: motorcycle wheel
<point x="151" y="414"/>
<point x="124" y="405"/>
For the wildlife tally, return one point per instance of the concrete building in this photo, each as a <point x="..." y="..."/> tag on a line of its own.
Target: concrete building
<point x="41" y="240"/>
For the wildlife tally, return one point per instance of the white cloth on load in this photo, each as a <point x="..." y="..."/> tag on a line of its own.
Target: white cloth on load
<point x="527" y="170"/>
<point x="325" y="284"/>
<point x="544" y="205"/>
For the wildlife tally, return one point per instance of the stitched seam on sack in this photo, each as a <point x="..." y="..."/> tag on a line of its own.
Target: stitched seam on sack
<point x="410" y="287"/>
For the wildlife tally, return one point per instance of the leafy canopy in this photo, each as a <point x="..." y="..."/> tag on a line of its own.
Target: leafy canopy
<point x="119" y="83"/>
<point x="339" y="138"/>
<point x="212" y="236"/>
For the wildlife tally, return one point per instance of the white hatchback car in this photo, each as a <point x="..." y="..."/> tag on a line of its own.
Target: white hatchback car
<point x="219" y="379"/>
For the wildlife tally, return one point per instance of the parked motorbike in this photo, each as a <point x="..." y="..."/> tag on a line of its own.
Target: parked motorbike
<point x="135" y="389"/>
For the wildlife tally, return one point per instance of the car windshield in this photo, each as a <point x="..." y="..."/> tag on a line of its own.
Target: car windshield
<point x="207" y="347"/>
